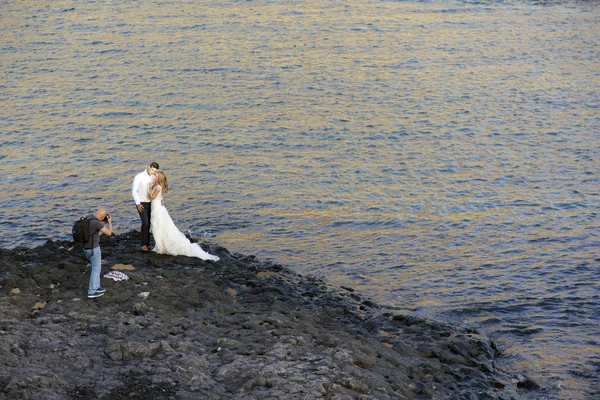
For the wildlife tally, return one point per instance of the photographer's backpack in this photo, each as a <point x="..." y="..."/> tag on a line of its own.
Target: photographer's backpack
<point x="81" y="230"/>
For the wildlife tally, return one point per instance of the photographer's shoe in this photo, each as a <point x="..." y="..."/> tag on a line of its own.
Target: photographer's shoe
<point x="95" y="294"/>
<point x="101" y="289"/>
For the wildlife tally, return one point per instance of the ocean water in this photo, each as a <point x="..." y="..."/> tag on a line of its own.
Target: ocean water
<point x="439" y="156"/>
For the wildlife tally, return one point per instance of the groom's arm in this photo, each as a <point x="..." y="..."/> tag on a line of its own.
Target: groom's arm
<point x="134" y="190"/>
<point x="134" y="193"/>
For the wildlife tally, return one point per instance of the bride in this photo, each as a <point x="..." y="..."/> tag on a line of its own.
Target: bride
<point x="169" y="239"/>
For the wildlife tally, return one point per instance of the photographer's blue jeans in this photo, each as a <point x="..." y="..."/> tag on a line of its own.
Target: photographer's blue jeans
<point x="95" y="258"/>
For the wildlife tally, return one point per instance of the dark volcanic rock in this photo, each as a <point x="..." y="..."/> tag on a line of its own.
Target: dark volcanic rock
<point x="182" y="328"/>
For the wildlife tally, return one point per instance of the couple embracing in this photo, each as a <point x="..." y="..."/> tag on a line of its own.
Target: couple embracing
<point x="148" y="189"/>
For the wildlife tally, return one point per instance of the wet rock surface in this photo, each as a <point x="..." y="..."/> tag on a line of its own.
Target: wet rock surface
<point x="239" y="328"/>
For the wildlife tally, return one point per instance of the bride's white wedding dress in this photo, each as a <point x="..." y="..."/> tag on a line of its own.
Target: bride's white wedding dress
<point x="169" y="239"/>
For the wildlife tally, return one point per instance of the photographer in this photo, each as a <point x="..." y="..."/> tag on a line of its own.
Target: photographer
<point x="91" y="249"/>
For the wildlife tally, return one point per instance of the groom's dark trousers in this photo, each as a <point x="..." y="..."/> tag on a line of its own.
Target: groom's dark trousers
<point x="145" y="229"/>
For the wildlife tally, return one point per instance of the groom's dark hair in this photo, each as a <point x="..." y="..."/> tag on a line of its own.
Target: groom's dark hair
<point x="154" y="165"/>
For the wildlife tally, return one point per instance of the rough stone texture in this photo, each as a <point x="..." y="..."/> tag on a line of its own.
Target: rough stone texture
<point x="235" y="329"/>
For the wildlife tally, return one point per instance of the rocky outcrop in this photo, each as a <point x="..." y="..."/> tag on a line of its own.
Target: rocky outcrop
<point x="182" y="328"/>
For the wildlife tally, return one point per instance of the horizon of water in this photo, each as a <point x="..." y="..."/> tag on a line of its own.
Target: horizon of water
<point x="441" y="157"/>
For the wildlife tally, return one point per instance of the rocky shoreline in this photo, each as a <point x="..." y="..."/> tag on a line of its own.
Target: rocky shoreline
<point x="239" y="328"/>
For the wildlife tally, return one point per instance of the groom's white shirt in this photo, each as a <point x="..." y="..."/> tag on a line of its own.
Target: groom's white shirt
<point x="140" y="189"/>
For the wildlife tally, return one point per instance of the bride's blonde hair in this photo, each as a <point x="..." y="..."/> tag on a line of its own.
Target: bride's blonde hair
<point x="161" y="179"/>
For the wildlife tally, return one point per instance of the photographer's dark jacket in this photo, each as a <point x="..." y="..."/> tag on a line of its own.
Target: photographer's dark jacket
<point x="95" y="226"/>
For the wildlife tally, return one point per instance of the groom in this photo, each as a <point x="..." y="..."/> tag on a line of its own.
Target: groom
<point x="141" y="194"/>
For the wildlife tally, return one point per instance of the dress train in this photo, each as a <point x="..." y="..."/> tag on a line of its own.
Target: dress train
<point x="169" y="239"/>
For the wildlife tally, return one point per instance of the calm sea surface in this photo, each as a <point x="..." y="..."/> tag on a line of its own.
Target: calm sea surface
<point x="441" y="157"/>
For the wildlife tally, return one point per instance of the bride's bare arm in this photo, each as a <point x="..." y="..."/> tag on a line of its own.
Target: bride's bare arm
<point x="155" y="192"/>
